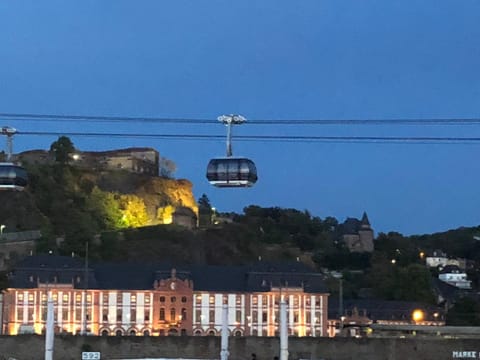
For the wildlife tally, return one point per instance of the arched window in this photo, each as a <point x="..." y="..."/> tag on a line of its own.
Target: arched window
<point x="118" y="333"/>
<point x="237" y="333"/>
<point x="198" y="333"/>
<point x="184" y="299"/>
<point x="146" y="333"/>
<point x="104" y="332"/>
<point x="161" y="316"/>
<point x="132" y="333"/>
<point x="184" y="314"/>
<point x="172" y="332"/>
<point x="211" y="333"/>
<point x="172" y="314"/>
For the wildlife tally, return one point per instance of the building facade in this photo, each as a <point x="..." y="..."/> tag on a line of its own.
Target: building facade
<point x="148" y="300"/>
<point x="357" y="235"/>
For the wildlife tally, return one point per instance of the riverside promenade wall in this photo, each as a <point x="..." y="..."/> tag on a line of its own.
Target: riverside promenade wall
<point x="31" y="347"/>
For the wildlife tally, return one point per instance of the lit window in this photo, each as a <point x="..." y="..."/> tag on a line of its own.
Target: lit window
<point x="238" y="316"/>
<point x="105" y="299"/>
<point x="295" y="316"/>
<point x="255" y="300"/>
<point x="89" y="298"/>
<point x="119" y="315"/>
<point x="198" y="299"/>
<point x="238" y="300"/>
<point x="211" y="299"/>
<point x="225" y="299"/>
<point x="65" y="298"/>
<point x="133" y="299"/>
<point x="147" y="299"/>
<point x="105" y="315"/>
<point x="20" y="297"/>
<point x="30" y="298"/>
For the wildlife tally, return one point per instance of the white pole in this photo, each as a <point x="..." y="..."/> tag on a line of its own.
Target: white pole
<point x="49" y="329"/>
<point x="224" y="342"/>
<point x="283" y="331"/>
<point x="1" y="314"/>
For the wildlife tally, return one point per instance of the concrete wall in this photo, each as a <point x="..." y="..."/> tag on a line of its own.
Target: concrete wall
<point x="30" y="347"/>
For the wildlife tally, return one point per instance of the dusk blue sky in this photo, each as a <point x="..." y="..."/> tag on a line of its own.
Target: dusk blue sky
<point x="266" y="59"/>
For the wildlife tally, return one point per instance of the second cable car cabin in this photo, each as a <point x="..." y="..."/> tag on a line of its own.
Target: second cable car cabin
<point x="231" y="172"/>
<point x="12" y="177"/>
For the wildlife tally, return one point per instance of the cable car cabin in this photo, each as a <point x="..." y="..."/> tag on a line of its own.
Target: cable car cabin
<point x="231" y="172"/>
<point x="12" y="177"/>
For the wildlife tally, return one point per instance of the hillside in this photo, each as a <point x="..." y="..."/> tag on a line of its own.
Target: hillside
<point x="65" y="201"/>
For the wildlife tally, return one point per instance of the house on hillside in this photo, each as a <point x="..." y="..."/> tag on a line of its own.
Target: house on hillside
<point x="453" y="275"/>
<point x="357" y="234"/>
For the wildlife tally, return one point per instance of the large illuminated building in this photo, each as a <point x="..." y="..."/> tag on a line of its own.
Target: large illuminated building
<point x="159" y="300"/>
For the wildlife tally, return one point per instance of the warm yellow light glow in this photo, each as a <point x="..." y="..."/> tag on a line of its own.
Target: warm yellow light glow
<point x="417" y="315"/>
<point x="422" y="255"/>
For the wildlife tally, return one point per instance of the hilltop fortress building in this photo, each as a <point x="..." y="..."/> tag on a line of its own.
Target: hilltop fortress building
<point x="137" y="160"/>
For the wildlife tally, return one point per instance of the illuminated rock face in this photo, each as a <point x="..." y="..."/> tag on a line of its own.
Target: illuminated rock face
<point x="163" y="196"/>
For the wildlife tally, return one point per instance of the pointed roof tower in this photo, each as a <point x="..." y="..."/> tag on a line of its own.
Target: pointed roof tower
<point x="365" y="223"/>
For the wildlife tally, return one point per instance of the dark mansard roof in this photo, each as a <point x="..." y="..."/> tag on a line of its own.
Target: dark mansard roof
<point x="257" y="277"/>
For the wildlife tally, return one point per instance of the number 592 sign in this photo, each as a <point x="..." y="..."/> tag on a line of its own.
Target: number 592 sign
<point x="90" y="355"/>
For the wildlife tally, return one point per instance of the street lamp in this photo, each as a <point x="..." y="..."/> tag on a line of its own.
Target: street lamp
<point x="1" y="228"/>
<point x="418" y="316"/>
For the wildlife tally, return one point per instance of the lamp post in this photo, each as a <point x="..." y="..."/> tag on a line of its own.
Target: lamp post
<point x="1" y="228"/>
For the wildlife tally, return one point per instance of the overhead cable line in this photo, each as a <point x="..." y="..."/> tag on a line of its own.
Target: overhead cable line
<point x="280" y="138"/>
<point x="174" y="120"/>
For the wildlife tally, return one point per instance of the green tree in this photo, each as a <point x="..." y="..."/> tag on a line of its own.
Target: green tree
<point x="106" y="207"/>
<point x="62" y="149"/>
<point x="205" y="211"/>
<point x="134" y="211"/>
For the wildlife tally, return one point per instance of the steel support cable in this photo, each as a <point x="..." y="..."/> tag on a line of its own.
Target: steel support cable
<point x="203" y="121"/>
<point x="286" y="138"/>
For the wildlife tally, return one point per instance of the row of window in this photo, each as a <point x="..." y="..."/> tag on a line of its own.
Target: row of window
<point x="199" y="317"/>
